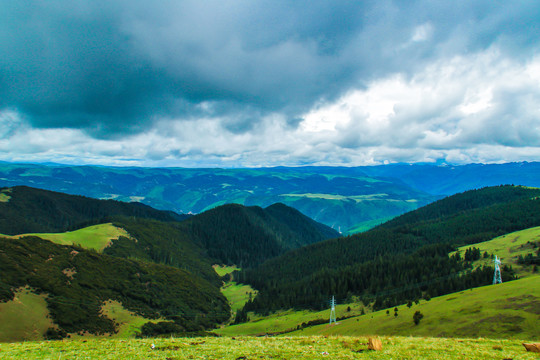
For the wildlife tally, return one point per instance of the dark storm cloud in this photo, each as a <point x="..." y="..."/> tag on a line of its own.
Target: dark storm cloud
<point x="111" y="67"/>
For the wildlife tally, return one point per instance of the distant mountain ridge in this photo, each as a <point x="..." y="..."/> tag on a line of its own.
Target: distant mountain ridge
<point x="349" y="199"/>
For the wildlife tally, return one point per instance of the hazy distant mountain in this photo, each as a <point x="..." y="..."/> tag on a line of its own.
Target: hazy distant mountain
<point x="347" y="199"/>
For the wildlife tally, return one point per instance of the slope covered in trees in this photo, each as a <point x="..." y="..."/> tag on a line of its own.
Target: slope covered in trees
<point x="78" y="281"/>
<point x="229" y="234"/>
<point x="381" y="259"/>
<point x="30" y="210"/>
<point x="246" y="236"/>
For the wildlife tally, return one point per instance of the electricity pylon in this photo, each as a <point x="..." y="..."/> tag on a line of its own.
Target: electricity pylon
<point x="497" y="276"/>
<point x="333" y="310"/>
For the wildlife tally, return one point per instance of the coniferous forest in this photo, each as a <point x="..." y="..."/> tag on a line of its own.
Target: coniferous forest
<point x="401" y="260"/>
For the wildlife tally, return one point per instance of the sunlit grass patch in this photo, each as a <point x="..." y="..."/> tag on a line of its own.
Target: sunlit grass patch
<point x="4" y="195"/>
<point x="25" y="317"/>
<point x="128" y="323"/>
<point x="508" y="248"/>
<point x="223" y="270"/>
<point x="96" y="237"/>
<point x="237" y="294"/>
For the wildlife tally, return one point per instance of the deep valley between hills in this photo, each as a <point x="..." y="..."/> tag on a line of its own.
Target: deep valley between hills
<point x="106" y="268"/>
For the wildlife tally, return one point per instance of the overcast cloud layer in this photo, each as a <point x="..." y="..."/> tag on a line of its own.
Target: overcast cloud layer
<point x="259" y="83"/>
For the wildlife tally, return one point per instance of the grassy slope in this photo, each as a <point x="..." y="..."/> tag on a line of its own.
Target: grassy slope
<point x="4" y="195"/>
<point x="236" y="294"/>
<point x="96" y="237"/>
<point x="337" y="347"/>
<point x="509" y="310"/>
<point x="508" y="247"/>
<point x="24" y="318"/>
<point x="285" y="321"/>
<point x="483" y="315"/>
<point x="129" y="324"/>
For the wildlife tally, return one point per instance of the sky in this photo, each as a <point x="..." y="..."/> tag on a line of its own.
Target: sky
<point x="243" y="83"/>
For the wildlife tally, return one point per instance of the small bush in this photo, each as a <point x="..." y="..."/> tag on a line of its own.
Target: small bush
<point x="417" y="317"/>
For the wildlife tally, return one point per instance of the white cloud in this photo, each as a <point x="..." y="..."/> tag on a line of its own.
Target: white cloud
<point x="461" y="103"/>
<point x="482" y="107"/>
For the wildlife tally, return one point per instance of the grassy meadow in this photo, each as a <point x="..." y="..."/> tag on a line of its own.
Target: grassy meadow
<point x="508" y="248"/>
<point x="25" y="317"/>
<point x="297" y="347"/>
<point x="508" y="310"/>
<point x="96" y="237"/>
<point x="236" y="294"/>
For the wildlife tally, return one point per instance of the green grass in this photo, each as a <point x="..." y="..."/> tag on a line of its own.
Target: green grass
<point x="223" y="270"/>
<point x="315" y="347"/>
<point x="24" y="318"/>
<point x="4" y="195"/>
<point x="236" y="294"/>
<point x="129" y="324"/>
<point x="285" y="321"/>
<point x="508" y="247"/>
<point x="508" y="310"/>
<point x="96" y="237"/>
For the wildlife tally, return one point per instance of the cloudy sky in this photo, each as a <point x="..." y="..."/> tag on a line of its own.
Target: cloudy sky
<point x="262" y="83"/>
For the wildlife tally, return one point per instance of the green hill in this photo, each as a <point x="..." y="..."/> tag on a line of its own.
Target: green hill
<point x="127" y="260"/>
<point x="519" y="249"/>
<point x="96" y="237"/>
<point x="246" y="236"/>
<point x="509" y="310"/>
<point x="30" y="210"/>
<point x="77" y="282"/>
<point x="409" y="249"/>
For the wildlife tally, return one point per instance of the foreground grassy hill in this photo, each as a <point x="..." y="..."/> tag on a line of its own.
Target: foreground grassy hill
<point x="511" y="309"/>
<point x="508" y="310"/>
<point x="304" y="347"/>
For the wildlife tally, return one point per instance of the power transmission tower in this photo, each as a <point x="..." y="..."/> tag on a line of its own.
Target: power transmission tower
<point x="497" y="276"/>
<point x="333" y="310"/>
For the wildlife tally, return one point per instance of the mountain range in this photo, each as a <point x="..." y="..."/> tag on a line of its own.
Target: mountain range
<point x="158" y="266"/>
<point x="347" y="199"/>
